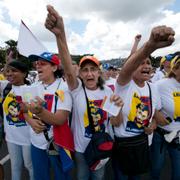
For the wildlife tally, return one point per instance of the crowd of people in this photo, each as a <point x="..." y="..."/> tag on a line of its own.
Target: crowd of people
<point x="51" y="133"/>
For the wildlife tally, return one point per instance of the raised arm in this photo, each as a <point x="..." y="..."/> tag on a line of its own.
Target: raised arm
<point x="136" y="43"/>
<point x="160" y="37"/>
<point x="54" y="23"/>
<point x="36" y="108"/>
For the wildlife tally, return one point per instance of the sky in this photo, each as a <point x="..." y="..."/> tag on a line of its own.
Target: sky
<point x="101" y="27"/>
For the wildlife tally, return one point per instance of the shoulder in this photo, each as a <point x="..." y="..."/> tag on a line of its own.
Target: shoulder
<point x="162" y="82"/>
<point x="79" y="87"/>
<point x="108" y="89"/>
<point x="130" y="83"/>
<point x="5" y="86"/>
<point x="125" y="88"/>
<point x="62" y="84"/>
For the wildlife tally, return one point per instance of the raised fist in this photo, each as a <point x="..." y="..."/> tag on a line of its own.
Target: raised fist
<point x="138" y="37"/>
<point x="161" y="36"/>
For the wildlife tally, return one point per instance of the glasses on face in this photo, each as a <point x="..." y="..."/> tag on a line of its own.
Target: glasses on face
<point x="91" y="70"/>
<point x="41" y="63"/>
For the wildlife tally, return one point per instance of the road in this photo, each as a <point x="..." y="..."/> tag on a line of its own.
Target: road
<point x="4" y="158"/>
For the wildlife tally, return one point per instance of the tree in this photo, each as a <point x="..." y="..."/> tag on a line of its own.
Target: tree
<point x="11" y="49"/>
<point x="155" y="61"/>
<point x="10" y="52"/>
<point x="2" y="57"/>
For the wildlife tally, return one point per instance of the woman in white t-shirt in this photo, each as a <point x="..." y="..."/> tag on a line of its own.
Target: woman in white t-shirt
<point x="164" y="68"/>
<point x="16" y="129"/>
<point x="50" y="120"/>
<point x="131" y="152"/>
<point x="167" y="137"/>
<point x="90" y="74"/>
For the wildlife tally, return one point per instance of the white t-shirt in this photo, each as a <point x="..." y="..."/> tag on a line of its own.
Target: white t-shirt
<point x="15" y="126"/>
<point x="111" y="83"/>
<point x="169" y="90"/>
<point x="80" y="123"/>
<point x="136" y="109"/>
<point x="3" y="84"/>
<point x="39" y="140"/>
<point x="158" y="76"/>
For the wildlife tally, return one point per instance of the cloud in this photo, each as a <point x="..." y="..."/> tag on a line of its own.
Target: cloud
<point x="109" y="26"/>
<point x="110" y="40"/>
<point x="171" y="19"/>
<point x="124" y="10"/>
<point x="32" y="11"/>
<point x="7" y="32"/>
<point x="112" y="25"/>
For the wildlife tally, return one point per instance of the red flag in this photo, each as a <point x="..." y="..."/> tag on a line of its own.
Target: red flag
<point x="63" y="136"/>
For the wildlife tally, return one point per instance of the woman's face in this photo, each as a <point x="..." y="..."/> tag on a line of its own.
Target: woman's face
<point x="176" y="71"/>
<point x="90" y="73"/>
<point x="167" y="66"/>
<point x="143" y="72"/>
<point x="15" y="76"/>
<point x="45" y="70"/>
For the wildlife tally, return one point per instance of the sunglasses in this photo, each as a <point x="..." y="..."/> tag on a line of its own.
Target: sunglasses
<point x="41" y="63"/>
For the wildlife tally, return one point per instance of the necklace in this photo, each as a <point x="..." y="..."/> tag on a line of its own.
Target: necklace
<point x="47" y="85"/>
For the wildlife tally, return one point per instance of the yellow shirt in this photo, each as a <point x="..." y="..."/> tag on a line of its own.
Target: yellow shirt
<point x="2" y="77"/>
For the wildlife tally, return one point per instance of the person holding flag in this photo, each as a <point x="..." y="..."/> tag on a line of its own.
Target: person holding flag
<point x="51" y="145"/>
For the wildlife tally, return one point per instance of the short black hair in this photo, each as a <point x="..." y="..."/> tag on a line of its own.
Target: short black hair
<point x="21" y="66"/>
<point x="59" y="73"/>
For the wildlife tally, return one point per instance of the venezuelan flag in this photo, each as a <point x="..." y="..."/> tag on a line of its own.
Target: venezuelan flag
<point x="64" y="139"/>
<point x="66" y="159"/>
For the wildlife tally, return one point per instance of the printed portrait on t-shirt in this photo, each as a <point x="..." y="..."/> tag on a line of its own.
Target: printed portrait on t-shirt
<point x="139" y="113"/>
<point x="176" y="108"/>
<point x="98" y="116"/>
<point x="176" y="99"/>
<point x="12" y="110"/>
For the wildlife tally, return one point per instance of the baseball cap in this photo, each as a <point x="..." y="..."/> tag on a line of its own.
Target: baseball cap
<point x="105" y="66"/>
<point x="168" y="57"/>
<point x="174" y="61"/>
<point x="89" y="58"/>
<point x="46" y="56"/>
